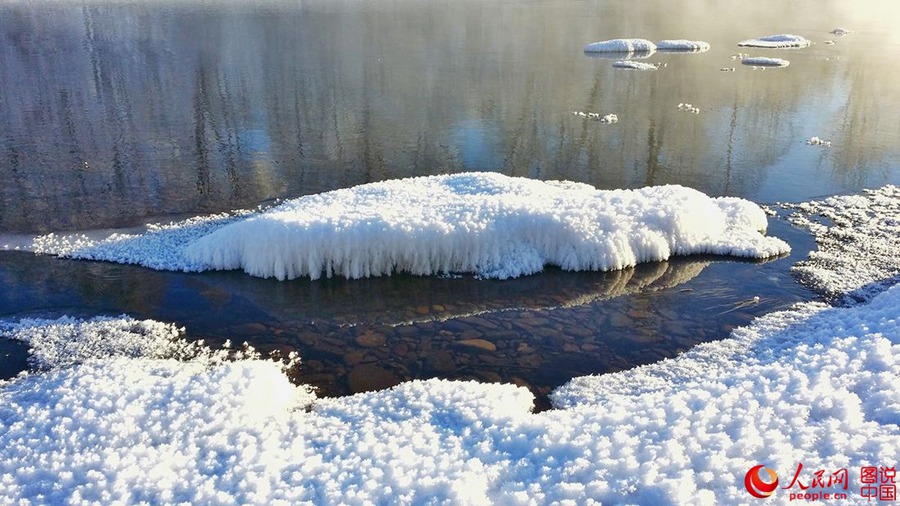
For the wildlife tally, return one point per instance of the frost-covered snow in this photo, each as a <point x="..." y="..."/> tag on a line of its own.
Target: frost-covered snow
<point x="633" y="65"/>
<point x="692" y="46"/>
<point x="858" y="243"/>
<point x="777" y="41"/>
<point x="816" y="385"/>
<point x="484" y="223"/>
<point x="127" y="423"/>
<point x="620" y="46"/>
<point x="762" y="61"/>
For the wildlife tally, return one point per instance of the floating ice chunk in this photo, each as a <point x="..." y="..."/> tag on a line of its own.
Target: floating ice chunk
<point x="609" y="118"/>
<point x="840" y="32"/>
<point x="683" y="45"/>
<point x="621" y="46"/>
<point x="815" y="141"/>
<point x="761" y="61"/>
<point x="633" y="65"/>
<point x="688" y="108"/>
<point x="777" y="41"/>
<point x="485" y="223"/>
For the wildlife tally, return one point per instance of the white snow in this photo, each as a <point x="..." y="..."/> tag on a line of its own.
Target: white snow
<point x="765" y="62"/>
<point x="633" y="65"/>
<point x="816" y="385"/>
<point x="693" y="46"/>
<point x="777" y="41"/>
<point x="858" y="240"/>
<point x="620" y="46"/>
<point x="484" y="223"/>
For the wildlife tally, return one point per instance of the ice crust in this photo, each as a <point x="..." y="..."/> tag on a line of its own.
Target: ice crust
<point x="783" y="40"/>
<point x="620" y="46"/>
<point x="816" y="384"/>
<point x="488" y="224"/>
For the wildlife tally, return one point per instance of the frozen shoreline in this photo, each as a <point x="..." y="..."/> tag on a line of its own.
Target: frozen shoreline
<point x="142" y="427"/>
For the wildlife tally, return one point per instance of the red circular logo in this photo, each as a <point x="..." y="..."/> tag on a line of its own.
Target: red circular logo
<point x="755" y="484"/>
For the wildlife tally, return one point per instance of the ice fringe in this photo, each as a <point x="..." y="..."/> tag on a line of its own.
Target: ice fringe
<point x="484" y="223"/>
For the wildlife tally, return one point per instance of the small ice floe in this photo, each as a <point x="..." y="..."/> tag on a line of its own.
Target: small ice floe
<point x="621" y="46"/>
<point x="726" y="69"/>
<point x="688" y="108"/>
<point x="759" y="62"/>
<point x="829" y="42"/>
<point x="634" y="65"/>
<point x="739" y="56"/>
<point x="840" y="32"/>
<point x="815" y="141"/>
<point x="608" y="118"/>
<point x="683" y="46"/>
<point x="777" y="41"/>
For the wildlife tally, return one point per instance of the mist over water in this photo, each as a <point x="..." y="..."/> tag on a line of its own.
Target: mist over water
<point x="114" y="113"/>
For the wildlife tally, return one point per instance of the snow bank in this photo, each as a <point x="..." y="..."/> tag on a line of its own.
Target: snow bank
<point x="483" y="223"/>
<point x="683" y="45"/>
<point x="759" y="61"/>
<point x="633" y="65"/>
<point x="620" y="46"/>
<point x="777" y="41"/>
<point x="858" y="239"/>
<point x="489" y="224"/>
<point x="815" y="385"/>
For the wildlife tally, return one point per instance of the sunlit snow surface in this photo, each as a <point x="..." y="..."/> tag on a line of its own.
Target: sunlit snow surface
<point x="483" y="223"/>
<point x="816" y="384"/>
<point x="777" y="41"/>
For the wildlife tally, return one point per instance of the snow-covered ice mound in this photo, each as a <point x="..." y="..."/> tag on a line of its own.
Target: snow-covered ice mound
<point x="783" y="40"/>
<point x="621" y="46"/>
<point x="761" y="61"/>
<point x="484" y="223"/>
<point x="683" y="45"/>
<point x="840" y="32"/>
<point x="633" y="65"/>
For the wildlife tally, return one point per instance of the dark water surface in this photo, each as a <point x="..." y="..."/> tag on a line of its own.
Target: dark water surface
<point x="114" y="114"/>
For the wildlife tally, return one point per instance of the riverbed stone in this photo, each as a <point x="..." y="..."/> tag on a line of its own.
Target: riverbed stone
<point x="370" y="377"/>
<point x="477" y="344"/>
<point x="370" y="339"/>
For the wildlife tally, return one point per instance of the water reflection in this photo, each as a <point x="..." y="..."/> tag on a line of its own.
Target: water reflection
<point x="113" y="113"/>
